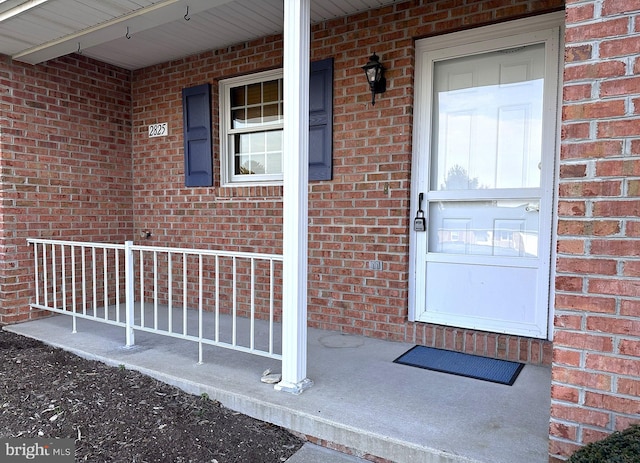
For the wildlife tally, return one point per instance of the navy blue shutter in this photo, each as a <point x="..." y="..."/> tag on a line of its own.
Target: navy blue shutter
<point x="198" y="161"/>
<point x="321" y="120"/>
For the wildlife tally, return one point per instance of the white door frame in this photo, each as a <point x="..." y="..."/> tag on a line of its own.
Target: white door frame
<point x="544" y="28"/>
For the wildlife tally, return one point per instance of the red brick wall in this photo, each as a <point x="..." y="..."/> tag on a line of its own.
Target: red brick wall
<point x="596" y="358"/>
<point x="65" y="161"/>
<point x="362" y="214"/>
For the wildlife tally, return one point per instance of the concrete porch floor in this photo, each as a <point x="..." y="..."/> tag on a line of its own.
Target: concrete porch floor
<point x="360" y="399"/>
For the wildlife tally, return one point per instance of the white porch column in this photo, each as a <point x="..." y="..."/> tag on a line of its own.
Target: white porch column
<point x="295" y="196"/>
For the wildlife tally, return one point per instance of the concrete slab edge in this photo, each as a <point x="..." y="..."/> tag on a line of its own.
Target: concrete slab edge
<point x="312" y="453"/>
<point x="360" y="441"/>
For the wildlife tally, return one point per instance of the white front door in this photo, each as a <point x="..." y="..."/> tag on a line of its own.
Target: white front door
<point x="485" y="144"/>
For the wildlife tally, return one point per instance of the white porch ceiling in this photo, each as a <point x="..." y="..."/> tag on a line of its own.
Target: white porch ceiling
<point x="34" y="31"/>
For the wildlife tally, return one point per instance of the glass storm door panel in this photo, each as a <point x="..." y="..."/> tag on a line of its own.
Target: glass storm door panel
<point x="486" y="249"/>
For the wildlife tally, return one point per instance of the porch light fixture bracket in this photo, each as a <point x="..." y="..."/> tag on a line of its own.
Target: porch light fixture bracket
<point x="374" y="71"/>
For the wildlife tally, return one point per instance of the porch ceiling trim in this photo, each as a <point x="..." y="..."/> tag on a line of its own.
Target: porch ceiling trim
<point x="155" y="15"/>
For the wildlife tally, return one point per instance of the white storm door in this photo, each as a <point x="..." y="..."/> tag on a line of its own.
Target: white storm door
<point x="486" y="173"/>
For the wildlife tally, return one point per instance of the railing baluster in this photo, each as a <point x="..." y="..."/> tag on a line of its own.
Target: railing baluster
<point x="36" y="271"/>
<point x="234" y="304"/>
<point x="253" y="305"/>
<point x="117" y="283"/>
<point x="105" y="283"/>
<point x="170" y="291"/>
<point x="84" y="281"/>
<point x="73" y="286"/>
<point x="54" y="271"/>
<point x="63" y="278"/>
<point x="200" y="307"/>
<point x="155" y="290"/>
<point x="271" y="311"/>
<point x="46" y="276"/>
<point x="141" y="270"/>
<point x="217" y="327"/>
<point x="129" y="278"/>
<point x="184" y="293"/>
<point x="94" y="275"/>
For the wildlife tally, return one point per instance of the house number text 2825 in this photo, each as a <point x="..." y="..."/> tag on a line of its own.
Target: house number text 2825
<point x="158" y="130"/>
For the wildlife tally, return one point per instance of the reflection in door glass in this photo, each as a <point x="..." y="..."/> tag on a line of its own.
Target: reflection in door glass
<point x="487" y="121"/>
<point x="484" y="228"/>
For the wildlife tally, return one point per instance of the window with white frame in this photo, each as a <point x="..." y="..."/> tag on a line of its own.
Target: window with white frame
<point x="251" y="125"/>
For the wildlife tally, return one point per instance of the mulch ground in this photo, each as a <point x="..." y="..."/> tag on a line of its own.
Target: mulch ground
<point x="118" y="415"/>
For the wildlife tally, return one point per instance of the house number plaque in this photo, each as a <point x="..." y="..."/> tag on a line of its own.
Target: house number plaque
<point x="158" y="130"/>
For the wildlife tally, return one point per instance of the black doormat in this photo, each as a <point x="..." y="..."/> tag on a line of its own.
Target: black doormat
<point x="457" y="363"/>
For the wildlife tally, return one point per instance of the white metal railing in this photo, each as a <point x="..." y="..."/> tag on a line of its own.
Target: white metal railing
<point x="220" y="298"/>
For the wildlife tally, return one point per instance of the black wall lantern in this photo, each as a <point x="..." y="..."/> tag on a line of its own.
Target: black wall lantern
<point x="375" y="76"/>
